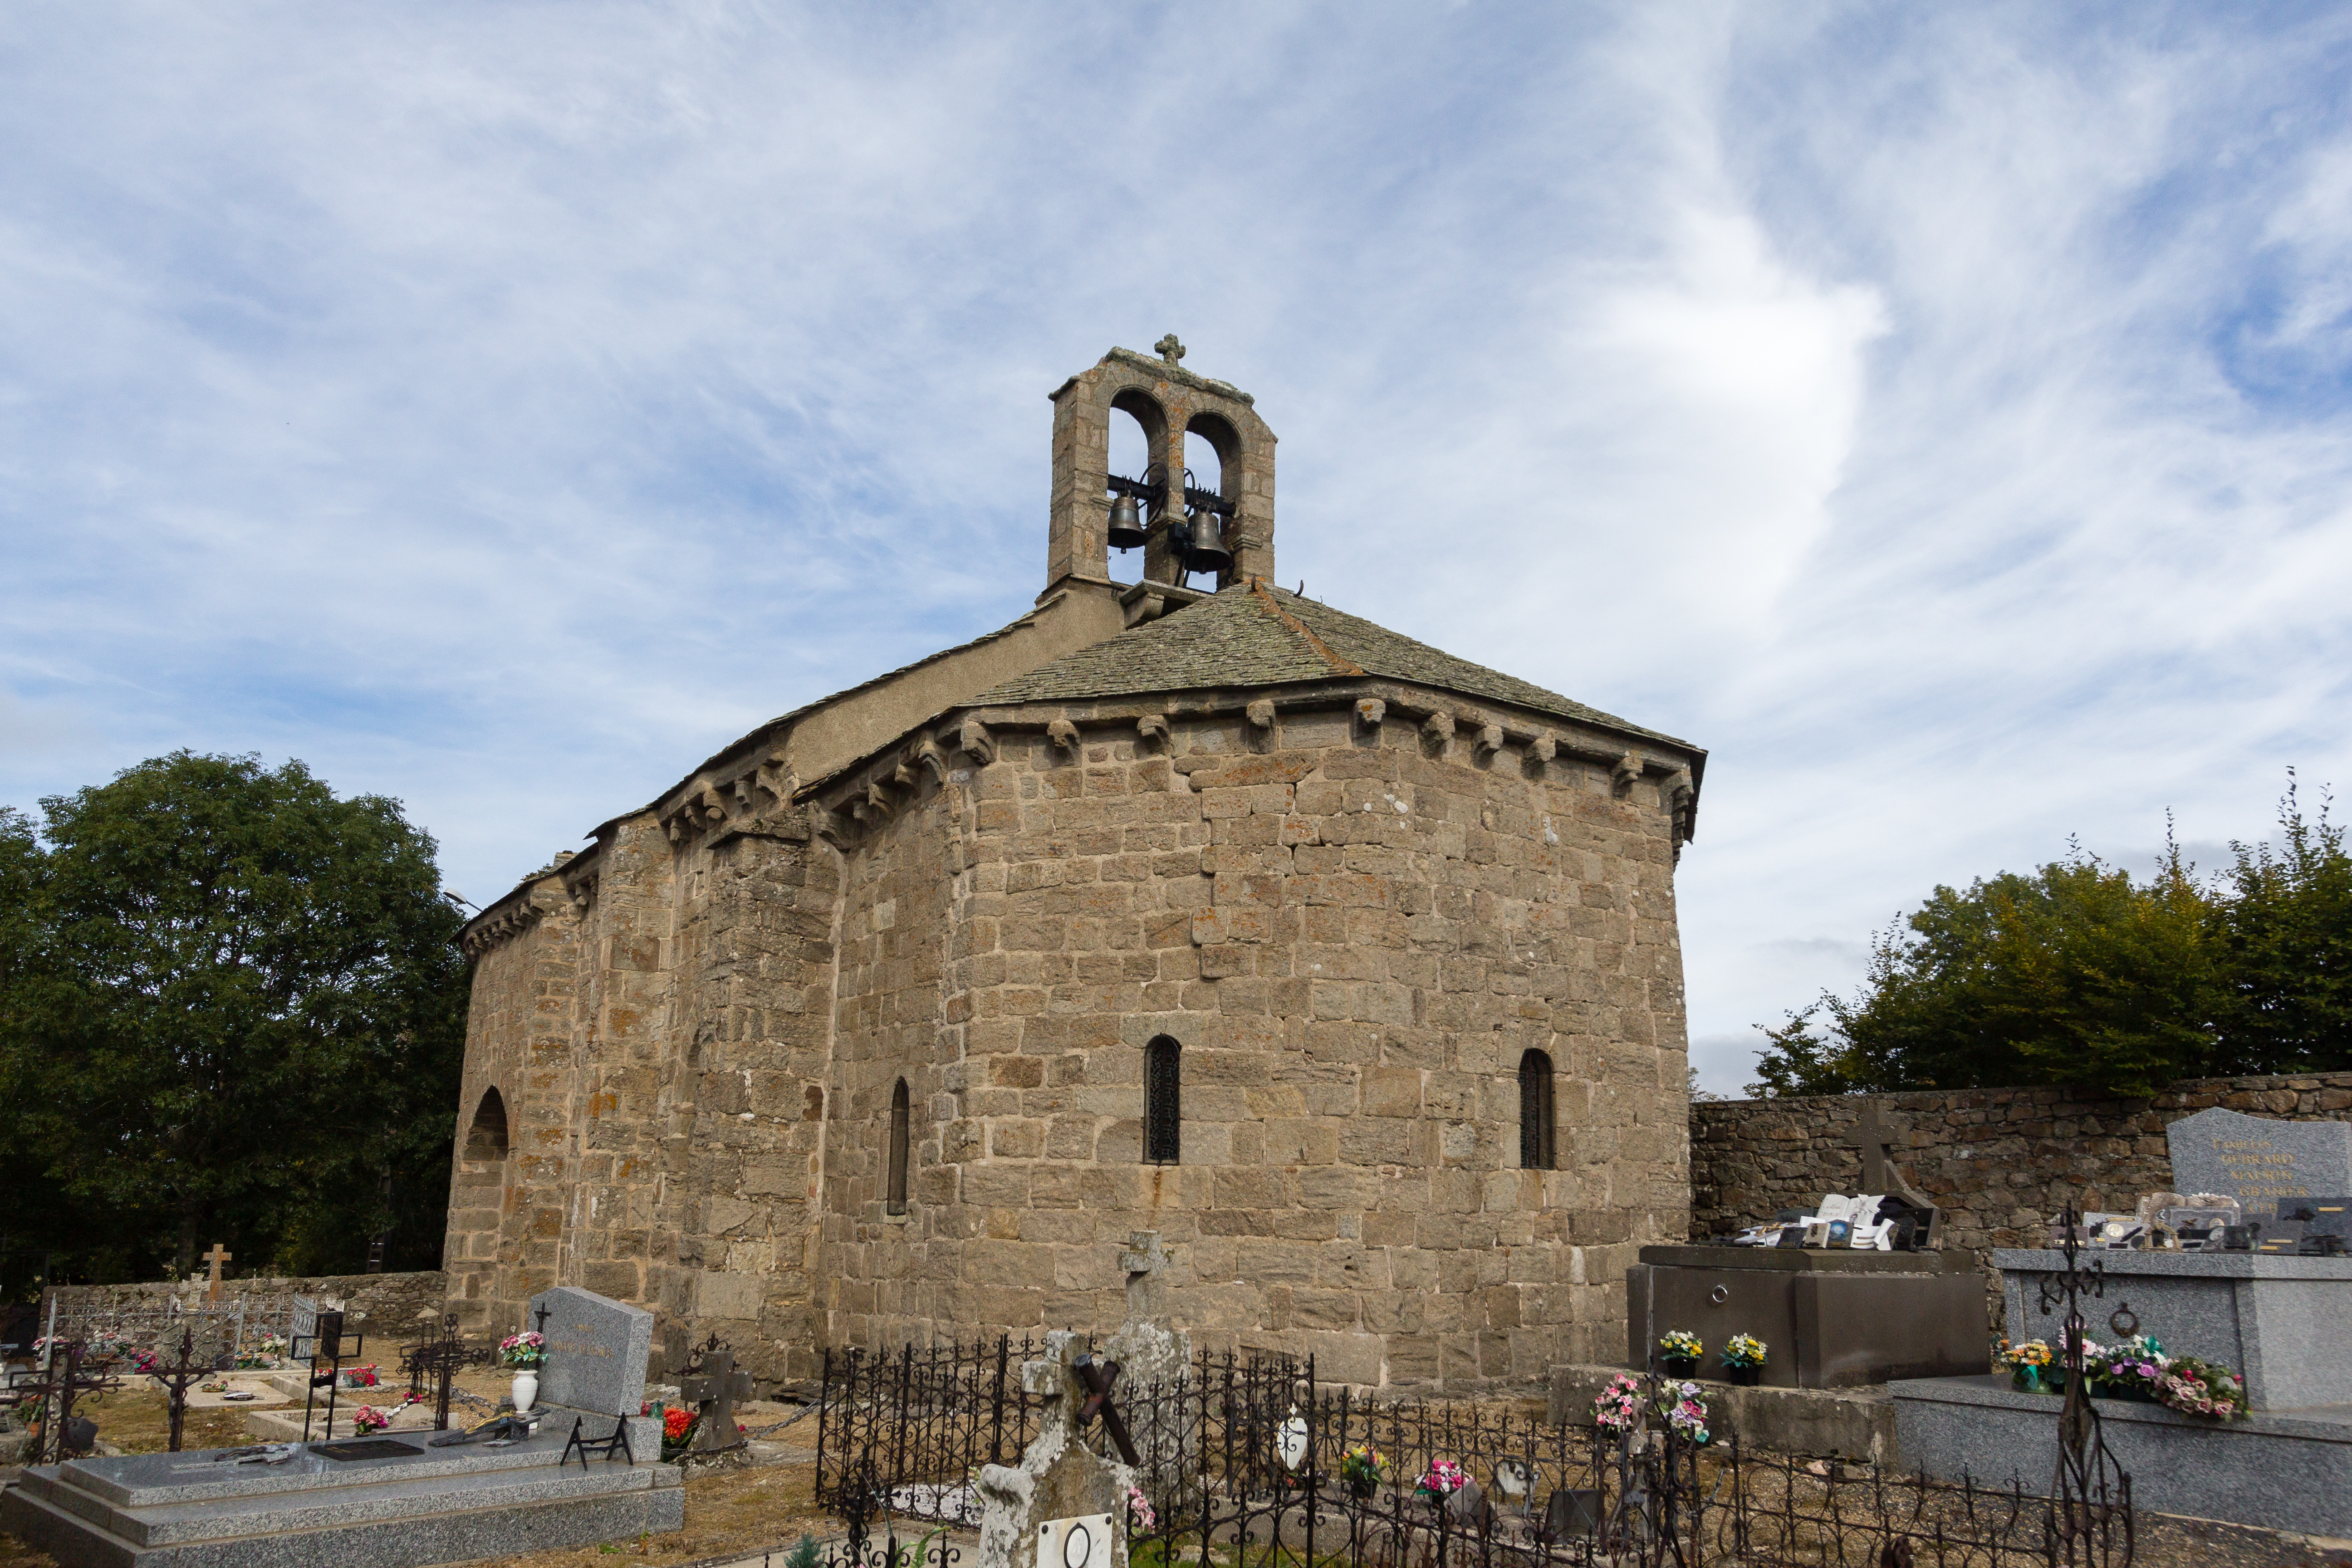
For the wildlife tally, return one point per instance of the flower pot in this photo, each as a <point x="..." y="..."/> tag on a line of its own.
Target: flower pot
<point x="1679" y="1365"/>
<point x="1362" y="1491"/>
<point x="525" y="1390"/>
<point x="1743" y="1376"/>
<point x="2025" y="1379"/>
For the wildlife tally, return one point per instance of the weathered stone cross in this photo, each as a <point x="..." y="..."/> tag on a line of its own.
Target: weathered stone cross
<point x="714" y="1393"/>
<point x="1882" y="1176"/>
<point x="1169" y="349"/>
<point x="1873" y="1135"/>
<point x="1145" y="1263"/>
<point x="216" y="1257"/>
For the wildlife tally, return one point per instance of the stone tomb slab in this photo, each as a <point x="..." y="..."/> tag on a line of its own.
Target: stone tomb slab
<point x="419" y="1506"/>
<point x="2259" y="1160"/>
<point x="597" y="1349"/>
<point x="2278" y="1471"/>
<point x="2284" y="1324"/>
<point x="1836" y="1319"/>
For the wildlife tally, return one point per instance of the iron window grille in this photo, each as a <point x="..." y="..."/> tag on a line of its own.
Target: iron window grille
<point x="1536" y="1113"/>
<point x="1163" y="1109"/>
<point x="896" y="1202"/>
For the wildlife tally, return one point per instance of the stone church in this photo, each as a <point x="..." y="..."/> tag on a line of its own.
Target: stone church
<point x="1348" y="966"/>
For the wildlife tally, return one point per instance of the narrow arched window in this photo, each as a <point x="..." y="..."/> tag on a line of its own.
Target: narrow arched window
<point x="900" y="1116"/>
<point x="1535" y="1113"/>
<point x="1163" y="1102"/>
<point x="487" y="1137"/>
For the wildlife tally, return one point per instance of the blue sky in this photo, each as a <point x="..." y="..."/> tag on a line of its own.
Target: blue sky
<point x="1940" y="414"/>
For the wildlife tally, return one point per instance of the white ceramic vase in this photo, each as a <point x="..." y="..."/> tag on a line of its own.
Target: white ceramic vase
<point x="525" y="1390"/>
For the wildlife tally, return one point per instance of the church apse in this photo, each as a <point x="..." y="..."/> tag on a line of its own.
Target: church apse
<point x="869" y="1048"/>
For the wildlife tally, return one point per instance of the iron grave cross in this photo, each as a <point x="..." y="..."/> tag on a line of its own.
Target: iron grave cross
<point x="713" y="1391"/>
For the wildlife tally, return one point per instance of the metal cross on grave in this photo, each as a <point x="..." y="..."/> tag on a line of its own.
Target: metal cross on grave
<point x="1098" y="1375"/>
<point x="216" y="1257"/>
<point x="1169" y="349"/>
<point x="440" y="1360"/>
<point x="176" y="1376"/>
<point x="713" y="1389"/>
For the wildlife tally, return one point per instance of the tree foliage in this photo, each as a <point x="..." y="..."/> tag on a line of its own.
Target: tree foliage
<point x="234" y="1011"/>
<point x="2077" y="974"/>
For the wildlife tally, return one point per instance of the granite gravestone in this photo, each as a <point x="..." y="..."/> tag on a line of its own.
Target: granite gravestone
<point x="596" y="1351"/>
<point x="2258" y="1161"/>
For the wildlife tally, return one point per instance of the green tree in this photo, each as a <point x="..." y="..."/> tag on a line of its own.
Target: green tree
<point x="2284" y="928"/>
<point x="244" y="1010"/>
<point x="2073" y="975"/>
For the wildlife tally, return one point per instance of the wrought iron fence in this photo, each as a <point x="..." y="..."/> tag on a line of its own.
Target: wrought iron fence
<point x="919" y="1423"/>
<point x="1246" y="1463"/>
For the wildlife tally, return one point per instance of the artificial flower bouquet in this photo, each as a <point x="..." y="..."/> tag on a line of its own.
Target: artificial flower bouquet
<point x="1681" y="1344"/>
<point x="1684" y="1410"/>
<point x="1362" y="1468"/>
<point x="524" y="1352"/>
<point x="1744" y="1350"/>
<point x="368" y="1419"/>
<point x="1443" y="1480"/>
<point x="1139" y="1511"/>
<point x="1618" y="1407"/>
<point x="678" y="1432"/>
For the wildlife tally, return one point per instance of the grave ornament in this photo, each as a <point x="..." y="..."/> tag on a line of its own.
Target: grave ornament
<point x="183" y="1372"/>
<point x="712" y="1385"/>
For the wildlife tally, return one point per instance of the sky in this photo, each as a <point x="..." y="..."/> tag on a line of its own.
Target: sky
<point x="1939" y="413"/>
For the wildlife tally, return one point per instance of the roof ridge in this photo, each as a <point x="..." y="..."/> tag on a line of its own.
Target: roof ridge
<point x="1339" y="664"/>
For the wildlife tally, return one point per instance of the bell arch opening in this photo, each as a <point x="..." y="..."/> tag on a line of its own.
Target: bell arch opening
<point x="1135" y="464"/>
<point x="486" y="1140"/>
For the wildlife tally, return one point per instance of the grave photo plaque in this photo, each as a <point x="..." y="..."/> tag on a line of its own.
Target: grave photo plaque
<point x="2259" y="1160"/>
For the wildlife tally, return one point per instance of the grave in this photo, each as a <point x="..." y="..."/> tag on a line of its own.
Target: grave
<point x="399" y="1503"/>
<point x="2282" y="1323"/>
<point x="391" y="1501"/>
<point x="1830" y="1316"/>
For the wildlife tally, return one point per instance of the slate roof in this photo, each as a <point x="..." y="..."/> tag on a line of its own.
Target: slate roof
<point x="1265" y="635"/>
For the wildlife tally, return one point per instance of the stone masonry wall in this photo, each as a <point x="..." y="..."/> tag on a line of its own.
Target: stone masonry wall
<point x="387" y="1308"/>
<point x="2000" y="1162"/>
<point x="1353" y="931"/>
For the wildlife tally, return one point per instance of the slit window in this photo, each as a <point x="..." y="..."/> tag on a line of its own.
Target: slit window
<point x="1536" y="1128"/>
<point x="901" y="1114"/>
<point x="1164" y="1107"/>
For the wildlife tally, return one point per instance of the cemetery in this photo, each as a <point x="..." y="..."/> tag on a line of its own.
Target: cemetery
<point x="1816" y="1385"/>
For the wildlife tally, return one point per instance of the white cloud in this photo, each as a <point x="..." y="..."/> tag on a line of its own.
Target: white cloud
<point x="1940" y="415"/>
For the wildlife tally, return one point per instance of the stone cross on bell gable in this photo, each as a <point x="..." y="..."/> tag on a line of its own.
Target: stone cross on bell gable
<point x="713" y="1392"/>
<point x="1169" y="349"/>
<point x="216" y="1257"/>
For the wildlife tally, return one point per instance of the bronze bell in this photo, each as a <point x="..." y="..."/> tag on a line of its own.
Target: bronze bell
<point x="1125" y="523"/>
<point x="1208" y="551"/>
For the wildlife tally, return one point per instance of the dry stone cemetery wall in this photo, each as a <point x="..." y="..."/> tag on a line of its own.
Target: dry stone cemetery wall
<point x="392" y="1301"/>
<point x="1998" y="1160"/>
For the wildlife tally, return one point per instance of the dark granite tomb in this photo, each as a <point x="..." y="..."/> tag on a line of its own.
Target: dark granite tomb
<point x="1829" y="1318"/>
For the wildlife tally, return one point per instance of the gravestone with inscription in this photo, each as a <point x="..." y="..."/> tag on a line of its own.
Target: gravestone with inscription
<point x="2259" y="1160"/>
<point x="596" y="1354"/>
